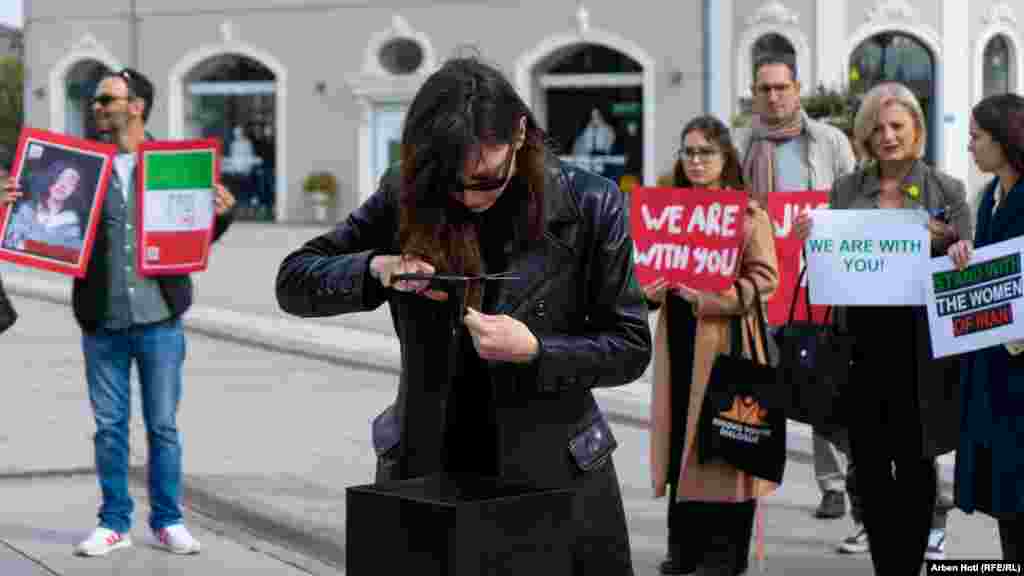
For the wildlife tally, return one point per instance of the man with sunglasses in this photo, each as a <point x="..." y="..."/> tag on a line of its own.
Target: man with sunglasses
<point x="128" y="317"/>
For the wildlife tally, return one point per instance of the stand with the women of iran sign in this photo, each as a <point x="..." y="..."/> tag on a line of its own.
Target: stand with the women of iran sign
<point x="176" y="205"/>
<point x="979" y="306"/>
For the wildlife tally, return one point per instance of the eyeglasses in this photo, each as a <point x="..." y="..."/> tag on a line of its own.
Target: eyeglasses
<point x="105" y="99"/>
<point x="766" y="89"/>
<point x="700" y="154"/>
<point x="491" y="183"/>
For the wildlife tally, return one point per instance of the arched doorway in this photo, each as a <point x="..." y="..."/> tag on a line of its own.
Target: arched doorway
<point x="898" y="57"/>
<point x="233" y="97"/>
<point x="79" y="87"/>
<point x="591" y="99"/>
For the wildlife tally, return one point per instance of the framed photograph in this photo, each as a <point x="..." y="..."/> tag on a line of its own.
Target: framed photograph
<point x="64" y="182"/>
<point x="176" y="205"/>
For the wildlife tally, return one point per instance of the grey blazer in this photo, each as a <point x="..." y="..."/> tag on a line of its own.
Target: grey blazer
<point x="937" y="381"/>
<point x="937" y="190"/>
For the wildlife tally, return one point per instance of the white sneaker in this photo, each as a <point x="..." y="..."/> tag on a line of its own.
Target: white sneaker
<point x="856" y="543"/>
<point x="936" y="545"/>
<point x="101" y="541"/>
<point x="176" y="539"/>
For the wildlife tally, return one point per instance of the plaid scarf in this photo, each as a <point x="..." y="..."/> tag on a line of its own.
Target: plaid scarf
<point x="759" y="165"/>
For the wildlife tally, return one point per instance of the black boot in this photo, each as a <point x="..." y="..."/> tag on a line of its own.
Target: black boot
<point x="677" y="561"/>
<point x="672" y="565"/>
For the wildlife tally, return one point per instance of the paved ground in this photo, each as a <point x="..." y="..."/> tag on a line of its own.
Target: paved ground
<point x="275" y="421"/>
<point x="271" y="440"/>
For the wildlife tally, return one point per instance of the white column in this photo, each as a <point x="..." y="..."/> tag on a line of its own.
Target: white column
<point x="830" y="37"/>
<point x="718" y="61"/>
<point x="953" y="89"/>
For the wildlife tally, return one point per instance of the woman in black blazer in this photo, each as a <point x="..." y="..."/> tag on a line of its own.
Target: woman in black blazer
<point x="899" y="406"/>
<point x="989" y="459"/>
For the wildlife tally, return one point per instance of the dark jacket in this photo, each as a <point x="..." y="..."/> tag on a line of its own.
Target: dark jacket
<point x="8" y="316"/>
<point x="89" y="294"/>
<point x="578" y="295"/>
<point x="992" y="405"/>
<point x="901" y="355"/>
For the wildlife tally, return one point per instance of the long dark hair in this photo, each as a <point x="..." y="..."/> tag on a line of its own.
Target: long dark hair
<point x="49" y="177"/>
<point x="715" y="131"/>
<point x="1002" y="116"/>
<point x="459" y="108"/>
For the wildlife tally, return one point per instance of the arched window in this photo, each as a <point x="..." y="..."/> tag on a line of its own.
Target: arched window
<point x="79" y="87"/>
<point x="232" y="97"/>
<point x="996" y="66"/>
<point x="897" y="57"/>
<point x="593" y="102"/>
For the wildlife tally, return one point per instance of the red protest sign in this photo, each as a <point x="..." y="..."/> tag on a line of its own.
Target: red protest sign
<point x="688" y="236"/>
<point x="783" y="208"/>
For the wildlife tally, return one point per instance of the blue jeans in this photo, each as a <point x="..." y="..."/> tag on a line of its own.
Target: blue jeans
<point x="159" y="352"/>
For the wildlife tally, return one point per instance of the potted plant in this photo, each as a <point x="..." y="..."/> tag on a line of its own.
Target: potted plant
<point x="321" y="186"/>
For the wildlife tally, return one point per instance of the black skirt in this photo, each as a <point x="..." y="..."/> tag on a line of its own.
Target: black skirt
<point x="682" y="330"/>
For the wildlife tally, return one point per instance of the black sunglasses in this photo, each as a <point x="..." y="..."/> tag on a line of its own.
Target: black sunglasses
<point x="105" y="99"/>
<point x="493" y="183"/>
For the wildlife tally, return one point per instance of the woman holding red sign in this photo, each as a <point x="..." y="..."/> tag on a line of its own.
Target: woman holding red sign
<point x="901" y="404"/>
<point x="711" y="505"/>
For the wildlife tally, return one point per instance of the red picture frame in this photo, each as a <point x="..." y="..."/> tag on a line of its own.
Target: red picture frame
<point x="177" y="251"/>
<point x="56" y="233"/>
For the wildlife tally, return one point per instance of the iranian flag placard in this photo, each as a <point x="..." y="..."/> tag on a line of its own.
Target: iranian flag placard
<point x="175" y="205"/>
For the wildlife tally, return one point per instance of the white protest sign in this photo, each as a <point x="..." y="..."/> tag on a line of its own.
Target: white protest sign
<point x="979" y="306"/>
<point x="867" y="257"/>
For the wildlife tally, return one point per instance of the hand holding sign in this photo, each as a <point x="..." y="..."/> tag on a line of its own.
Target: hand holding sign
<point x="802" y="226"/>
<point x="687" y="293"/>
<point x="960" y="253"/>
<point x="655" y="292"/>
<point x="223" y="199"/>
<point x="11" y="192"/>
<point x="687" y="236"/>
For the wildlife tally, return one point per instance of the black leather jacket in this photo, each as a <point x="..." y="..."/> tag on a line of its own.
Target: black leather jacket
<point x="577" y="293"/>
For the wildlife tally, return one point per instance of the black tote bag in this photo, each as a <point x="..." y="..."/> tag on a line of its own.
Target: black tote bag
<point x="743" y="420"/>
<point x="815" y="362"/>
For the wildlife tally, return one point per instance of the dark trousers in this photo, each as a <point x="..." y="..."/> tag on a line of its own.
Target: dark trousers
<point x="713" y="537"/>
<point x="942" y="505"/>
<point x="1011" y="536"/>
<point x="1011" y="526"/>
<point x="897" y="508"/>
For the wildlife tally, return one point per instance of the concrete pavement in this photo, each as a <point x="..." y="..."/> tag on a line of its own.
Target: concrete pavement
<point x="235" y="301"/>
<point x="230" y="424"/>
<point x="44" y="518"/>
<point x="271" y="441"/>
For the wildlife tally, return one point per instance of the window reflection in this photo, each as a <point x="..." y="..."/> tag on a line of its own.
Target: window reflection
<point x="996" y="65"/>
<point x="233" y="98"/>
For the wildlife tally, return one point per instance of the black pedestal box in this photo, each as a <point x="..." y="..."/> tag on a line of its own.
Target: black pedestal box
<point x="457" y="527"/>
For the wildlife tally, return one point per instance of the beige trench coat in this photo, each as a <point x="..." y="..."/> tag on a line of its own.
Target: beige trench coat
<point x="712" y="481"/>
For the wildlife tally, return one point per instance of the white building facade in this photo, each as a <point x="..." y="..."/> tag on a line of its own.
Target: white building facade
<point x="293" y="87"/>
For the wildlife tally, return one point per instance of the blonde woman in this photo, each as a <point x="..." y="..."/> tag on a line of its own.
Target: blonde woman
<point x="900" y="404"/>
